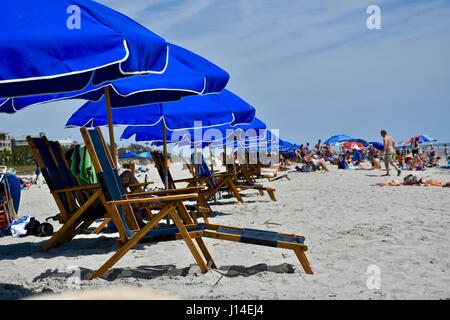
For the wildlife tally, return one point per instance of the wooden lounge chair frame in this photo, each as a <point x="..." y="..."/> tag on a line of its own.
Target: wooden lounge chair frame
<point x="120" y="210"/>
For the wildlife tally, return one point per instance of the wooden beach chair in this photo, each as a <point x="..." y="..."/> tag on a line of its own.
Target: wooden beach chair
<point x="119" y="208"/>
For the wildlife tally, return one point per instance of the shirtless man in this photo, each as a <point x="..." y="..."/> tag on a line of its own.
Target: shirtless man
<point x="389" y="152"/>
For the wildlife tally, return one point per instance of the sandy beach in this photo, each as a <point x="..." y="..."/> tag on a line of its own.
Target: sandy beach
<point x="349" y="224"/>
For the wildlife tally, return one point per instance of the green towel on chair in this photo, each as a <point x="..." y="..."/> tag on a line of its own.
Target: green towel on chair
<point x="82" y="167"/>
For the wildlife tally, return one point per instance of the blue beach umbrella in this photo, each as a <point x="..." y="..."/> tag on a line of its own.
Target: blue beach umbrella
<point x="144" y="155"/>
<point x="338" y="139"/>
<point x="213" y="136"/>
<point x="186" y="74"/>
<point x="129" y="155"/>
<point x="211" y="110"/>
<point x="377" y="145"/>
<point x="50" y="46"/>
<point x="164" y="118"/>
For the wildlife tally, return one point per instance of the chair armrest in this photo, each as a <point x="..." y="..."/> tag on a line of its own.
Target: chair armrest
<point x="172" y="198"/>
<point x="77" y="188"/>
<point x="166" y="192"/>
<point x="141" y="184"/>
<point x="185" y="180"/>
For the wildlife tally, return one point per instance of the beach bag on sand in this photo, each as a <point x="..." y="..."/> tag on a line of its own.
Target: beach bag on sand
<point x="306" y="168"/>
<point x="410" y="180"/>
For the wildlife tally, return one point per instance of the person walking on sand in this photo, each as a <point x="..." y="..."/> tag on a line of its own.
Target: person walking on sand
<point x="389" y="152"/>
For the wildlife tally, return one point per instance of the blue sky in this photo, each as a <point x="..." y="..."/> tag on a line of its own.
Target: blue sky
<point x="310" y="68"/>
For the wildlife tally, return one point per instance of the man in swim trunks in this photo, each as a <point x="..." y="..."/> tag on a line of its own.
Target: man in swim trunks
<point x="389" y="152"/>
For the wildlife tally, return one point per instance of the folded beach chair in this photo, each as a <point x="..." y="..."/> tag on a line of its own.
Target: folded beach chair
<point x="119" y="208"/>
<point x="79" y="206"/>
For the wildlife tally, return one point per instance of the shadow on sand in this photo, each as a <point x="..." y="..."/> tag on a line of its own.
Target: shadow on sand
<point x="75" y="248"/>
<point x="13" y="291"/>
<point x="156" y="271"/>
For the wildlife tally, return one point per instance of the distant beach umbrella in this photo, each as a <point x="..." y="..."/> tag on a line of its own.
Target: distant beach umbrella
<point x="362" y="141"/>
<point x="353" y="145"/>
<point x="128" y="155"/>
<point x="421" y="139"/>
<point x="144" y="155"/>
<point x="338" y="139"/>
<point x="377" y="145"/>
<point x="51" y="46"/>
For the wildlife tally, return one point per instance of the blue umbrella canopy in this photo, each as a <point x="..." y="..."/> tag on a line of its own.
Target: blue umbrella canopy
<point x="53" y="46"/>
<point x="129" y="155"/>
<point x="144" y="155"/>
<point x="187" y="74"/>
<point x="211" y="110"/>
<point x="216" y="136"/>
<point x="377" y="145"/>
<point x="338" y="139"/>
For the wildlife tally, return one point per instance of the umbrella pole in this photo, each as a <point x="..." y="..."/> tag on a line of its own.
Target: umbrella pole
<point x="225" y="156"/>
<point x="212" y="168"/>
<point x="166" y="171"/>
<point x="195" y="160"/>
<point x="110" y="125"/>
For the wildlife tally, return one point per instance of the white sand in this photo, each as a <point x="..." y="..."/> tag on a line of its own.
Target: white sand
<point x="349" y="225"/>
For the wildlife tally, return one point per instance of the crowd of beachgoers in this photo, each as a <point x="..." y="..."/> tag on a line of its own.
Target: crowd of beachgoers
<point x="354" y="156"/>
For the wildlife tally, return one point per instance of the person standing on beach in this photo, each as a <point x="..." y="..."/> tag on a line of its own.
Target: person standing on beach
<point x="445" y="151"/>
<point x="318" y="146"/>
<point x="37" y="172"/>
<point x="389" y="152"/>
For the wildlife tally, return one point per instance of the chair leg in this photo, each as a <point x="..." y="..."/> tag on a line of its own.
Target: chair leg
<point x="64" y="232"/>
<point x="271" y="193"/>
<point x="132" y="242"/>
<point x="188" y="240"/>
<point x="303" y="260"/>
<point x="234" y="190"/>
<point x="102" y="226"/>
<point x="209" y="260"/>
